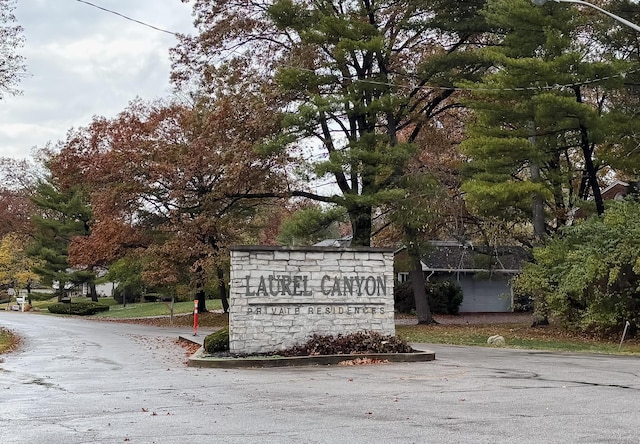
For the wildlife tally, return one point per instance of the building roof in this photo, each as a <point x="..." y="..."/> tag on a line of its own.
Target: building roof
<point x="456" y="257"/>
<point x="344" y="241"/>
<point x="616" y="190"/>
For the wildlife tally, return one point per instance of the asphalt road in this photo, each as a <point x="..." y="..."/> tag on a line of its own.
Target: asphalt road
<point x="79" y="381"/>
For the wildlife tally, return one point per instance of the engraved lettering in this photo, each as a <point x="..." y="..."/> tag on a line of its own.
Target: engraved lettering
<point x="286" y="285"/>
<point x="273" y="292"/>
<point x="262" y="287"/>
<point x="336" y="288"/>
<point x="297" y="280"/>
<point x="348" y="285"/>
<point x="305" y="291"/>
<point x="324" y="291"/>
<point x="370" y="289"/>
<point x="248" y="293"/>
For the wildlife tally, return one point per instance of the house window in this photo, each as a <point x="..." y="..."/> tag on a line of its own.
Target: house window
<point x="403" y="277"/>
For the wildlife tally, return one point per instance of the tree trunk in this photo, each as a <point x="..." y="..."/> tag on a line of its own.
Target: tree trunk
<point x="590" y="168"/>
<point x="592" y="174"/>
<point x="537" y="200"/>
<point x="93" y="292"/>
<point x="62" y="293"/>
<point x="361" y="226"/>
<point x="222" y="287"/>
<point x="201" y="297"/>
<point x="537" y="206"/>
<point x="29" y="292"/>
<point x="423" y="311"/>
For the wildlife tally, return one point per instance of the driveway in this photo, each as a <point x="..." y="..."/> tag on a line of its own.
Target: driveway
<point x="80" y="381"/>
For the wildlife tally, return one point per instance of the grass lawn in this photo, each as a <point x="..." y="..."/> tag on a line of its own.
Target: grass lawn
<point x="135" y="310"/>
<point x="147" y="309"/>
<point x="516" y="336"/>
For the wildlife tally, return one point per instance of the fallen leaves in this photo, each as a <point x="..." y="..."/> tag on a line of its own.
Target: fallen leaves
<point x="189" y="347"/>
<point x="363" y="361"/>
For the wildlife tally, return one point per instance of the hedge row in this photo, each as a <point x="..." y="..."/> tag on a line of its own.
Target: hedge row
<point x="79" y="308"/>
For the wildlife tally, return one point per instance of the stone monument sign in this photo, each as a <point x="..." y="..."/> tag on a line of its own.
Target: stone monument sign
<point x="280" y="297"/>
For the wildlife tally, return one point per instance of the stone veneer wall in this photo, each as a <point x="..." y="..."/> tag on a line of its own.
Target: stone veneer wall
<point x="280" y="297"/>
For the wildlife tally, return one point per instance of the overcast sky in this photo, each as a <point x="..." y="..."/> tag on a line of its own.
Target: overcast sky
<point x="83" y="61"/>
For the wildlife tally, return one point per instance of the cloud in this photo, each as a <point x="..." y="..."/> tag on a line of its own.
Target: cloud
<point x="84" y="62"/>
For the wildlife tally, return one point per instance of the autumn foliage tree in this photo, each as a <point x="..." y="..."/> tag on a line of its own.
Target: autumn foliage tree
<point x="18" y="179"/>
<point x="16" y="267"/>
<point x="18" y="182"/>
<point x="172" y="182"/>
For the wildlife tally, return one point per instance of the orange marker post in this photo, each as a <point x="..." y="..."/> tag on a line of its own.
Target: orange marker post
<point x="195" y="317"/>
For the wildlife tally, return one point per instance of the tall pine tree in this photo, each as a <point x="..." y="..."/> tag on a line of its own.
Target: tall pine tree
<point x="541" y="117"/>
<point x="63" y="215"/>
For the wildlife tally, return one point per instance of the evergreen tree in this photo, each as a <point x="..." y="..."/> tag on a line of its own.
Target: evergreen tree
<point x="360" y="80"/>
<point x="540" y="117"/>
<point x="63" y="216"/>
<point x="617" y="39"/>
<point x="310" y="225"/>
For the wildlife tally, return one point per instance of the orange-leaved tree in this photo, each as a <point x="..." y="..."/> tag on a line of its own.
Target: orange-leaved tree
<point x="170" y="182"/>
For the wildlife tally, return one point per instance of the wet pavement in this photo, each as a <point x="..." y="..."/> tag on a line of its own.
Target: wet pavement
<point x="79" y="381"/>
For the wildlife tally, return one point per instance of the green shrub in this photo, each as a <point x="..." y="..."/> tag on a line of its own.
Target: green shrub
<point x="79" y="308"/>
<point x="444" y="297"/>
<point x="133" y="295"/>
<point x="403" y="297"/>
<point x="587" y="276"/>
<point x="217" y="341"/>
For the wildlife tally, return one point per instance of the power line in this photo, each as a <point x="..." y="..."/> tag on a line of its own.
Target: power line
<point x="389" y="84"/>
<point x="129" y="18"/>
<point x="547" y="87"/>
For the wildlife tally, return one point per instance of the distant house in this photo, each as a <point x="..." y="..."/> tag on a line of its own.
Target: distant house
<point x="102" y="290"/>
<point x="615" y="191"/>
<point x="619" y="189"/>
<point x="484" y="273"/>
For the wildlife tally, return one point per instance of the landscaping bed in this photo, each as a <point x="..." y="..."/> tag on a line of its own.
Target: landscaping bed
<point x="201" y="359"/>
<point x="359" y="348"/>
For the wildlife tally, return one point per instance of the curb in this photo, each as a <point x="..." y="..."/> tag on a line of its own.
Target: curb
<point x="192" y="339"/>
<point x="200" y="359"/>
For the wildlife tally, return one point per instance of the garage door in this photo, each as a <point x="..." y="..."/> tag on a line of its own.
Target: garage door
<point x="481" y="295"/>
